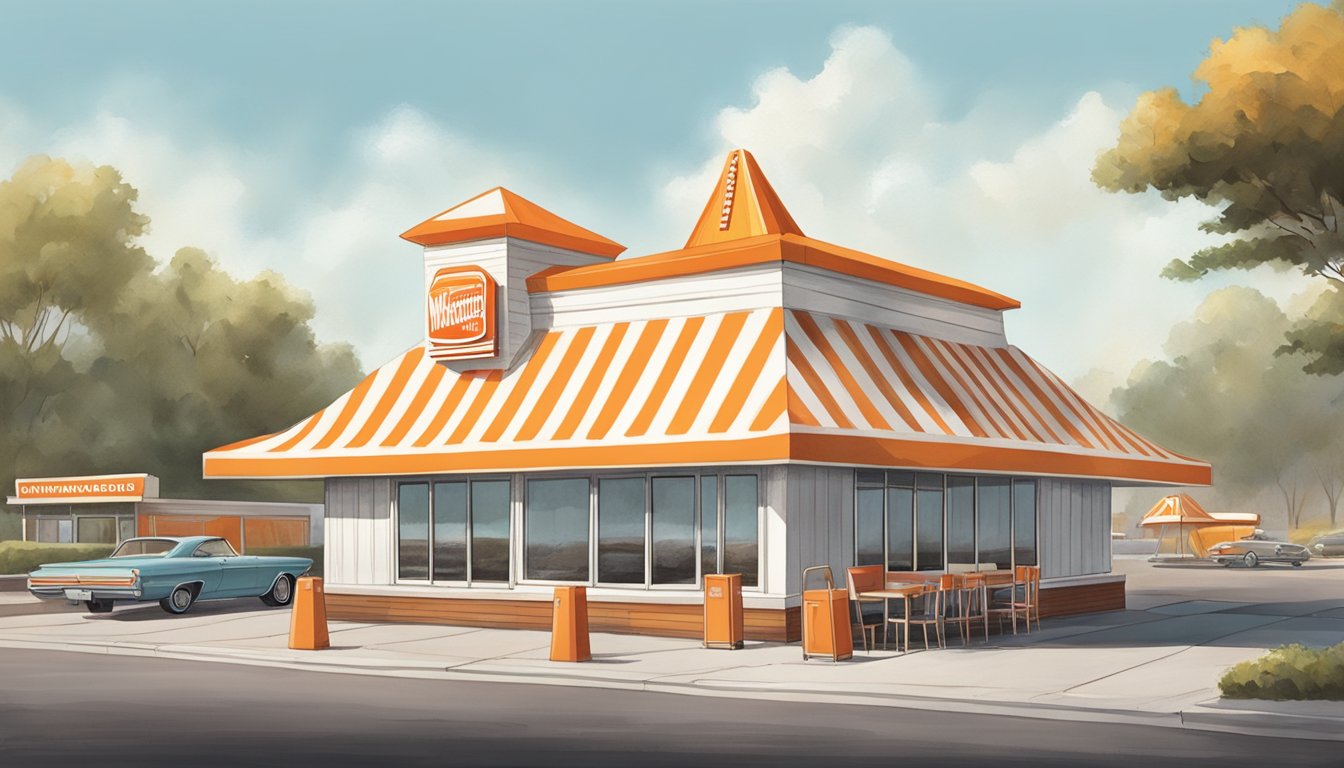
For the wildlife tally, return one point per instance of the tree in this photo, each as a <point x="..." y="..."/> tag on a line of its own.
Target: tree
<point x="1265" y="142"/>
<point x="1223" y="396"/>
<point x="107" y="365"/>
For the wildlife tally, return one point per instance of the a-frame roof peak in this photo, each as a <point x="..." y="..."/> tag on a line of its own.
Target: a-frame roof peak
<point x="743" y="204"/>
<point x="499" y="212"/>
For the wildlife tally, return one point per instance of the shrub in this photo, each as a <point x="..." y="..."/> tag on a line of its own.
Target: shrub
<point x="312" y="553"/>
<point x="24" y="556"/>
<point x="1291" y="672"/>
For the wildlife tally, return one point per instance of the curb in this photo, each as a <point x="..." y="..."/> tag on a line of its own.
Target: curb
<point x="1208" y="716"/>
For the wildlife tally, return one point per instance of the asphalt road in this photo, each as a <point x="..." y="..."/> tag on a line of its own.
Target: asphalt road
<point x="59" y="709"/>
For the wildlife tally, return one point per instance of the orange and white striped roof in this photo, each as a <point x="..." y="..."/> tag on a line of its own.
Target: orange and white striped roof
<point x="757" y="386"/>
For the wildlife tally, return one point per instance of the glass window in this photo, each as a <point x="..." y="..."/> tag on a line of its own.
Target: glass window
<point x="993" y="517"/>
<point x="47" y="530"/>
<point x="960" y="520"/>
<point x="900" y="529"/>
<point x="97" y="530"/>
<point x="1024" y="522"/>
<point x="741" y="528"/>
<point x="127" y="527"/>
<point x="673" y="530"/>
<point x="214" y="548"/>
<point x="413" y="531"/>
<point x="868" y="531"/>
<point x="901" y="479"/>
<point x="620" y="530"/>
<point x="557" y="529"/>
<point x="450" y="531"/>
<point x="65" y="531"/>
<point x="145" y="548"/>
<point x="709" y="524"/>
<point x="929" y="523"/>
<point x="490" y="530"/>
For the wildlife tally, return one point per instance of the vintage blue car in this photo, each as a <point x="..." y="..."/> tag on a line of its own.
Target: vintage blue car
<point x="175" y="571"/>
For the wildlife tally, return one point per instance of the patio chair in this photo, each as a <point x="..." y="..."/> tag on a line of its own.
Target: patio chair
<point x="1003" y="603"/>
<point x="977" y="602"/>
<point x="955" y="602"/>
<point x="1029" y="576"/>
<point x="926" y="610"/>
<point x="867" y="578"/>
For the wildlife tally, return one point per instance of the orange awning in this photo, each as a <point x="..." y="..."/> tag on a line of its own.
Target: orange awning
<point x="803" y="387"/>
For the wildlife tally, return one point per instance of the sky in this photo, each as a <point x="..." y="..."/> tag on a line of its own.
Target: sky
<point x="304" y="137"/>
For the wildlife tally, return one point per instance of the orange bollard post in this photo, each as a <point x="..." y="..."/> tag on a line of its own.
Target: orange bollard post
<point x="569" y="625"/>
<point x="308" y="618"/>
<point x="723" y="610"/>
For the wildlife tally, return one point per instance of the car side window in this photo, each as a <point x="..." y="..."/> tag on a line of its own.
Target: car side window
<point x="214" y="548"/>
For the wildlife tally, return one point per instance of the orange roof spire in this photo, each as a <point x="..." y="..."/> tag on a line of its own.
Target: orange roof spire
<point x="501" y="213"/>
<point x="743" y="205"/>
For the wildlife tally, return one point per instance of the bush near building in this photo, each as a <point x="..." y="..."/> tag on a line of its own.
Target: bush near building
<point x="24" y="556"/>
<point x="1291" y="672"/>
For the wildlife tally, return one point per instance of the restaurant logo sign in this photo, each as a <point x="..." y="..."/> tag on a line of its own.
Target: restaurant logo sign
<point x="461" y="313"/>
<point x="104" y="487"/>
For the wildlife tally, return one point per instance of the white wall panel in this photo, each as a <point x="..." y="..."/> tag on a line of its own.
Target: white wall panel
<point x="775" y="548"/>
<point x="359" y="531"/>
<point x="820" y="513"/>
<point x="1075" y="524"/>
<point x="817" y="290"/>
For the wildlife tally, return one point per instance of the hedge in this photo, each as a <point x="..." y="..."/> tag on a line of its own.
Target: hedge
<point x="23" y="556"/>
<point x="1291" y="672"/>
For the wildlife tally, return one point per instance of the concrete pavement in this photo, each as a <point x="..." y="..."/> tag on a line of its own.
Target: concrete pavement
<point x="1156" y="665"/>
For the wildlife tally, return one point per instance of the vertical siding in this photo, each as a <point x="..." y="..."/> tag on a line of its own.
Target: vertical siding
<point x="820" y="511"/>
<point x="1075" y="524"/>
<point x="359" y="531"/>
<point x="775" y="550"/>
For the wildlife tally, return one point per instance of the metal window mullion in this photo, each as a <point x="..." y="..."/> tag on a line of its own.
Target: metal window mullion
<point x="468" y="533"/>
<point x="721" y="498"/>
<point x="592" y="530"/>
<point x="648" y="530"/>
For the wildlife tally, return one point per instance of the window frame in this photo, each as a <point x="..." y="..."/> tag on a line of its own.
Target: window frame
<point x="430" y="481"/>
<point x="888" y="485"/>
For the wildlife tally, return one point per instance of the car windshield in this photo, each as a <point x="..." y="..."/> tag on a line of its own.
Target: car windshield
<point x="144" y="548"/>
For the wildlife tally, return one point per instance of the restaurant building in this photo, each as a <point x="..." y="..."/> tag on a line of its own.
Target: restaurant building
<point x="105" y="509"/>
<point x="756" y="402"/>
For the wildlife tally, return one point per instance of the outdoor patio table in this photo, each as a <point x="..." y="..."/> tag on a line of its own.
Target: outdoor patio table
<point x="902" y="591"/>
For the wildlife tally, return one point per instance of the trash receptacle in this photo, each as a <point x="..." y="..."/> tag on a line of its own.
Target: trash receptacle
<point x="826" y="630"/>
<point x="569" y="625"/>
<point x="723" y="610"/>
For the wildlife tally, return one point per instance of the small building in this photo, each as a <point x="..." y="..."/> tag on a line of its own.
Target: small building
<point x="105" y="509"/>
<point x="757" y="402"/>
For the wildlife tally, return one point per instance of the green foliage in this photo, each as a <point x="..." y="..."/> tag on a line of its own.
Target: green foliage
<point x="1228" y="394"/>
<point x="312" y="553"/>
<point x="108" y="365"/>
<point x="1319" y="335"/>
<point x="1264" y="144"/>
<point x="24" y="556"/>
<point x="1291" y="672"/>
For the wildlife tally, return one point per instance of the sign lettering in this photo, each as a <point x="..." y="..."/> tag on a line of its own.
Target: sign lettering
<point x="461" y="314"/>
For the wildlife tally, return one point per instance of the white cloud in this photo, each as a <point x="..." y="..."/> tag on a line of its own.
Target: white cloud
<point x="336" y="238"/>
<point x="861" y="157"/>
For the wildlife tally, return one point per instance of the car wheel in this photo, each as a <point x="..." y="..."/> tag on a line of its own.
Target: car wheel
<point x="179" y="601"/>
<point x="1297" y="563"/>
<point x="1250" y="560"/>
<point x="282" y="592"/>
<point x="98" y="606"/>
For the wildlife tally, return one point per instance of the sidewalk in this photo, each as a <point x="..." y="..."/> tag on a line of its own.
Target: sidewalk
<point x="1158" y="666"/>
